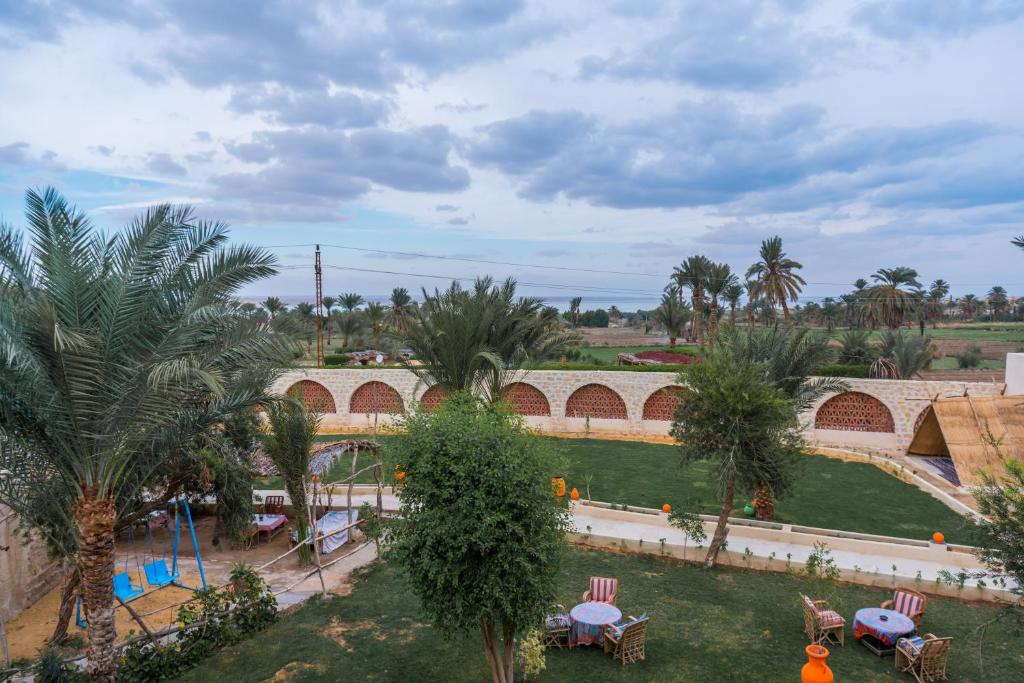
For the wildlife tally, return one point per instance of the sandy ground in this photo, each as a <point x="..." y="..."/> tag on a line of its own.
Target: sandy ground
<point x="28" y="632"/>
<point x="620" y="336"/>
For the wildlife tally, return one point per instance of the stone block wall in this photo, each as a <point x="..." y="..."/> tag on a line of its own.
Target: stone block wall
<point x="875" y="414"/>
<point x="26" y="572"/>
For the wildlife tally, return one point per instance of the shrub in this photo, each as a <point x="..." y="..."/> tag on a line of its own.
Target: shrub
<point x="971" y="358"/>
<point x="838" y="370"/>
<point x="336" y="359"/>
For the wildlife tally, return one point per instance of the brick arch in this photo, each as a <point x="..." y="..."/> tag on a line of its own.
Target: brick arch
<point x="526" y="399"/>
<point x="854" y="411"/>
<point x="920" y="419"/>
<point x="662" y="404"/>
<point x="432" y="398"/>
<point x="376" y="397"/>
<point x="313" y="395"/>
<point x="596" y="400"/>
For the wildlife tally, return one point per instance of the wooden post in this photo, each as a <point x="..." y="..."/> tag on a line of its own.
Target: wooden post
<point x="351" y="484"/>
<point x="316" y="548"/>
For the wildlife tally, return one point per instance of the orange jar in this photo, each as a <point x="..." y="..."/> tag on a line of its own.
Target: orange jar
<point x="816" y="670"/>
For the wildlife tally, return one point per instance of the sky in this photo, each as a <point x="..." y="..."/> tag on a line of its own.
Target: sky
<point x="582" y="147"/>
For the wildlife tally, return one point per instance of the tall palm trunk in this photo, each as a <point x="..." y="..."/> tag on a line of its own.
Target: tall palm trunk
<point x="785" y="313"/>
<point x="94" y="518"/>
<point x="68" y="594"/>
<point x="297" y="494"/>
<point x="712" y="322"/>
<point x="732" y="313"/>
<point x="698" y="315"/>
<point x="750" y="316"/>
<point x="721" y="529"/>
<point x="764" y="503"/>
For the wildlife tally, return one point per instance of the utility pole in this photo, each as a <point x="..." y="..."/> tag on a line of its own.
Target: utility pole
<point x="319" y="310"/>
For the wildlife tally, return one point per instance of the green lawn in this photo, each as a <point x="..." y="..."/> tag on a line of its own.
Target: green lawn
<point x="725" y="625"/>
<point x="830" y="493"/>
<point x="950" y="363"/>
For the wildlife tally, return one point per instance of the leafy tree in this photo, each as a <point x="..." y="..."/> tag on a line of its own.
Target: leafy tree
<point x="776" y="276"/>
<point x="350" y="301"/>
<point x="672" y="314"/>
<point x="274" y="306"/>
<point x="1000" y="498"/>
<point x="729" y="413"/>
<point x="893" y="297"/>
<point x="475" y="339"/>
<point x="118" y="352"/>
<point x="329" y="303"/>
<point x="596" y="318"/>
<point x="692" y="274"/>
<point x="288" y="440"/>
<point x="478" y="533"/>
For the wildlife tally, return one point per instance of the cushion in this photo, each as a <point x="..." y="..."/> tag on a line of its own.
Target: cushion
<point x="601" y="589"/>
<point x="810" y="604"/>
<point x="828" y="618"/>
<point x="557" y="621"/>
<point x="905" y="603"/>
<point x="912" y="646"/>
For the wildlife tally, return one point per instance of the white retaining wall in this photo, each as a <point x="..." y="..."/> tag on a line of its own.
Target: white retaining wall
<point x="904" y="399"/>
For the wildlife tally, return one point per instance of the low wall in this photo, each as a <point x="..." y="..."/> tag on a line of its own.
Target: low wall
<point x="875" y="415"/>
<point x="26" y="572"/>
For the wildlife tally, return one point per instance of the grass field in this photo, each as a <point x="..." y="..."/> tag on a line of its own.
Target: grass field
<point x="829" y="493"/>
<point x="949" y="363"/>
<point x="724" y="625"/>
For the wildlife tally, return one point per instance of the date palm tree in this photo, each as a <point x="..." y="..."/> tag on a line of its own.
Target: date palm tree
<point x="718" y="278"/>
<point x="574" y="310"/>
<point x="329" y="303"/>
<point x="375" y="316"/>
<point x="401" y="308"/>
<point x="997" y="301"/>
<point x="274" y="306"/>
<point x="732" y="295"/>
<point x="937" y="293"/>
<point x="672" y="314"/>
<point x="692" y="274"/>
<point x="775" y="273"/>
<point x="350" y="301"/>
<point x="753" y="298"/>
<point x="118" y="351"/>
<point x="968" y="305"/>
<point x="893" y="297"/>
<point x="307" y="321"/>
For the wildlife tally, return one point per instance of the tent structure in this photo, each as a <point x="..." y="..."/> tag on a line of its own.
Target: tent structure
<point x="976" y="433"/>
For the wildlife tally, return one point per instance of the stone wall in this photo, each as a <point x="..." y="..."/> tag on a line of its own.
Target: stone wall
<point x="878" y="415"/>
<point x="26" y="572"/>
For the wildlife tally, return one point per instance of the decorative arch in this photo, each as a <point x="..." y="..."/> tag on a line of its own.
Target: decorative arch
<point x="920" y="419"/>
<point x="662" y="404"/>
<point x="854" y="411"/>
<point x="596" y="400"/>
<point x="432" y="398"/>
<point x="526" y="399"/>
<point x="313" y="395"/>
<point x="376" y="397"/>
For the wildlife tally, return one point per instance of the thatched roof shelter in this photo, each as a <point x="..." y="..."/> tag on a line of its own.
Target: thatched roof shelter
<point x="975" y="432"/>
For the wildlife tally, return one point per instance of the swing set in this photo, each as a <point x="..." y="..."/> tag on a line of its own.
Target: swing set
<point x="157" y="574"/>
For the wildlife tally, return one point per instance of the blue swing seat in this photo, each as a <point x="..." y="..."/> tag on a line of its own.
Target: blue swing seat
<point x="157" y="574"/>
<point x="125" y="589"/>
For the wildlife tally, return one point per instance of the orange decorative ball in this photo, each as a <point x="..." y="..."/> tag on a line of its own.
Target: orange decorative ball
<point x="399" y="475"/>
<point x="666" y="508"/>
<point x="938" y="537"/>
<point x="574" y="494"/>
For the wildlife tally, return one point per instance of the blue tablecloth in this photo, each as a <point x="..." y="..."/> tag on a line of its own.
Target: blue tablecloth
<point x="588" y="622"/>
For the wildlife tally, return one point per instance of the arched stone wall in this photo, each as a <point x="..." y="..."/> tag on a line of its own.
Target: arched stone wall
<point x="596" y="401"/>
<point x="313" y="395"/>
<point x="376" y="397"/>
<point x="432" y="397"/>
<point x="526" y="399"/>
<point x="662" y="404"/>
<point x="854" y="411"/>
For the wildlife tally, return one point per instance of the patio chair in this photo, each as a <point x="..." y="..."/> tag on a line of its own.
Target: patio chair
<point x="273" y="505"/>
<point x="908" y="602"/>
<point x="556" y="628"/>
<point x="602" y="590"/>
<point x="923" y="657"/>
<point x="821" y="622"/>
<point x="627" y="641"/>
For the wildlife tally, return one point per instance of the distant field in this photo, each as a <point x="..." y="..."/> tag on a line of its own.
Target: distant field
<point x="609" y="354"/>
<point x="949" y="363"/>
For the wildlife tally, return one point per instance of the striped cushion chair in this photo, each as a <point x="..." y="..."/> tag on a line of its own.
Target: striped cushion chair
<point x="602" y="590"/>
<point x="822" y="623"/>
<point x="907" y="602"/>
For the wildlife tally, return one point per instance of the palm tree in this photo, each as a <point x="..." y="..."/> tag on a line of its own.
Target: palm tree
<point x="753" y="297"/>
<point x="350" y="323"/>
<point x="893" y="297"/>
<point x="329" y="302"/>
<point x="305" y="313"/>
<point x="274" y="306"/>
<point x="691" y="274"/>
<point x="860" y="299"/>
<point x="376" y="316"/>
<point x="672" y="315"/>
<point x="350" y="301"/>
<point x="732" y="295"/>
<point x="968" y="304"/>
<point x="829" y="313"/>
<point x="574" y="310"/>
<point x="775" y="273"/>
<point x="118" y="352"/>
<point x="719" y="278"/>
<point x="997" y="301"/>
<point x="401" y="306"/>
<point x="476" y="339"/>
<point x="855" y="348"/>
<point x="936" y="295"/>
<point x="907" y="354"/>
<point x="288" y="440"/>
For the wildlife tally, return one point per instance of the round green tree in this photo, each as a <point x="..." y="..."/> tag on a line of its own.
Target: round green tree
<point x="479" y="534"/>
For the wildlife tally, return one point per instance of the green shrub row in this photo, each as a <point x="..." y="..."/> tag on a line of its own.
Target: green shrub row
<point x="852" y="371"/>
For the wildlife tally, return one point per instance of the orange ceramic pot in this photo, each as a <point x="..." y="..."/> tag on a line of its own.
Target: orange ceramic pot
<point x="816" y="670"/>
<point x="558" y="486"/>
<point x="574" y="494"/>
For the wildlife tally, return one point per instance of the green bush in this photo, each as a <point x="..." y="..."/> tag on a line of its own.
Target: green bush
<point x="253" y="608"/>
<point x="971" y="358"/>
<point x="855" y="371"/>
<point x="336" y="359"/>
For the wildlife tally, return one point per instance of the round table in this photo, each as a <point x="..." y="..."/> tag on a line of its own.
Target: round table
<point x="883" y="625"/>
<point x="588" y="620"/>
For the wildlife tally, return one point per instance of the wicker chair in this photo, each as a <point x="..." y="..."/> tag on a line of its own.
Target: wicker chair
<point x="627" y="642"/>
<point x="907" y="602"/>
<point x="556" y="628"/>
<point x="821" y="622"/>
<point x="923" y="657"/>
<point x="273" y="505"/>
<point x="602" y="590"/>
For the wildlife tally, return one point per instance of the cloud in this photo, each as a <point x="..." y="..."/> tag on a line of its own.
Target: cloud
<point x="518" y="145"/>
<point x="446" y="207"/>
<point x="948" y="18"/>
<point x="14" y="154"/>
<point x="163" y="164"/>
<point x="743" y="233"/>
<point x="747" y="45"/>
<point x="18" y="153"/>
<point x="464" y="107"/>
<point x="202" y="136"/>
<point x="103" y="150"/>
<point x="200" y="157"/>
<point x="337" y="110"/>
<point x="458" y="220"/>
